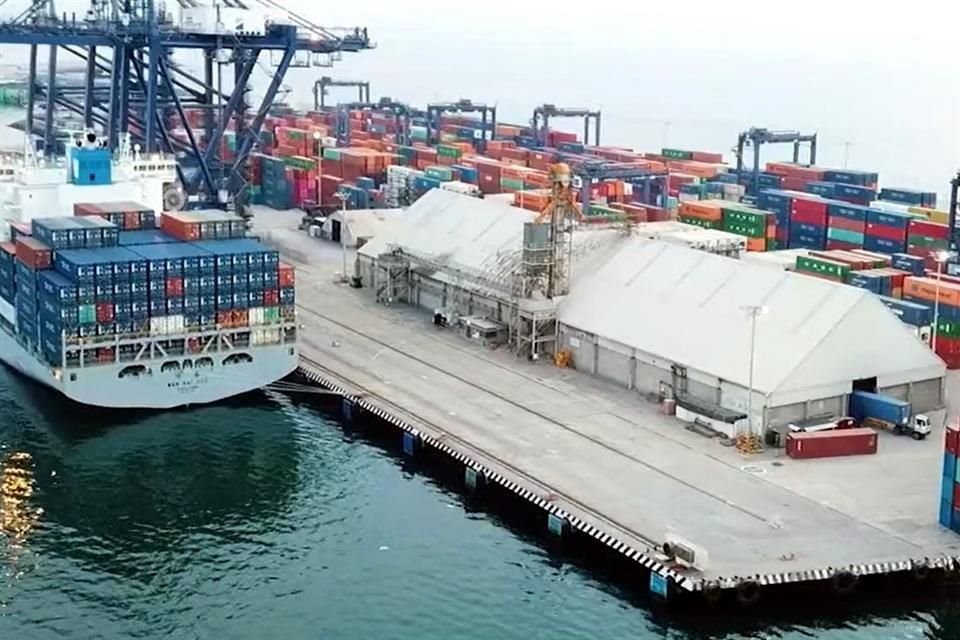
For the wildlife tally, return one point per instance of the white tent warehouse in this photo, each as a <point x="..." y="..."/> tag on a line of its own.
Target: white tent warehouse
<point x="647" y="314"/>
<point x="656" y="314"/>
<point x="357" y="226"/>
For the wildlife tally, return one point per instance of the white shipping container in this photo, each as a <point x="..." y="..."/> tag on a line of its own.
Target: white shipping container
<point x="158" y="326"/>
<point x="785" y="260"/>
<point x="176" y="324"/>
<point x="461" y="187"/>
<point x="256" y="316"/>
<point x="264" y="336"/>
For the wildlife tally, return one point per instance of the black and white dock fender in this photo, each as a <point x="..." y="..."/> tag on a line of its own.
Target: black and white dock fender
<point x="712" y="593"/>
<point x="557" y="524"/>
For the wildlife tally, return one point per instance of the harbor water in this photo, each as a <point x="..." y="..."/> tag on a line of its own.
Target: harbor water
<point x="262" y="518"/>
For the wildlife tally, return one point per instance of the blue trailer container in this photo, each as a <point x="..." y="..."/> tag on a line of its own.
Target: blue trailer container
<point x="916" y="265"/>
<point x="865" y="405"/>
<point x="915" y="314"/>
<point x="869" y="281"/>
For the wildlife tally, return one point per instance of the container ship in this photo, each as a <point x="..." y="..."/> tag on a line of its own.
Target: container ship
<point x="115" y="306"/>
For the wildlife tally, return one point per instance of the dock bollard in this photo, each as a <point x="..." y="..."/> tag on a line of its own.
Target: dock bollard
<point x="472" y="478"/>
<point x="411" y="442"/>
<point x="557" y="525"/>
<point x="659" y="585"/>
<point x="346" y="410"/>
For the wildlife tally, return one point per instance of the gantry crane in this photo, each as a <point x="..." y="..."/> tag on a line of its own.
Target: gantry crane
<point x="320" y="90"/>
<point x="435" y="113"/>
<point x="546" y="111"/>
<point x="131" y="42"/>
<point x="954" y="213"/>
<point x="757" y="137"/>
<point x="402" y="115"/>
<point x="593" y="170"/>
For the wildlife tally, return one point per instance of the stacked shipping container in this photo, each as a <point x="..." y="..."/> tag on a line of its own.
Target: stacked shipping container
<point x="950" y="482"/>
<point x="95" y="282"/>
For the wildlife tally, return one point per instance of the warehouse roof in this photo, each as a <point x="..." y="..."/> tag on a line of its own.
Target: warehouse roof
<point x="362" y="223"/>
<point x="687" y="306"/>
<point x="477" y="235"/>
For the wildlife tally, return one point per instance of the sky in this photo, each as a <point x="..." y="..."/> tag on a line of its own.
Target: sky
<point x="877" y="84"/>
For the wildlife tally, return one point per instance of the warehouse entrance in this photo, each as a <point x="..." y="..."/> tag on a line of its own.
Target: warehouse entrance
<point x="866" y="384"/>
<point x="335" y="230"/>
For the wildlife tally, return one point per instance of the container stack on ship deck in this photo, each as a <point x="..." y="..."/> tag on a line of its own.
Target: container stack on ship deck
<point x="106" y="287"/>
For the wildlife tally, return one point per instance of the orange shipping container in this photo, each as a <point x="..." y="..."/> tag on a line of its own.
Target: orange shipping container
<point x="703" y="209"/>
<point x="926" y="289"/>
<point x="756" y="244"/>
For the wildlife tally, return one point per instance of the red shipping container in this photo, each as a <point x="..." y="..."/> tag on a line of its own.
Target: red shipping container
<point x="705" y="156"/>
<point x="928" y="229"/>
<point x="9" y="248"/>
<point x="826" y="444"/>
<point x="839" y="244"/>
<point x="808" y="217"/>
<point x="286" y="275"/>
<point x="131" y="221"/>
<point x="225" y="319"/>
<point x="33" y="253"/>
<point x="180" y="227"/>
<point x="174" y="287"/>
<point x="846" y="224"/>
<point x="104" y="312"/>
<point x="791" y="183"/>
<point x="951" y="440"/>
<point x="271" y="297"/>
<point x="886" y="232"/>
<point x="814" y="210"/>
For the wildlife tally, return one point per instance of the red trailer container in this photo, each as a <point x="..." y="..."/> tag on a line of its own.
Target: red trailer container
<point x="33" y="253"/>
<point x="826" y="444"/>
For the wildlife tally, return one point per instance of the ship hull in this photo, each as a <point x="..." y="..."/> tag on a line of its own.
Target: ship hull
<point x="102" y="386"/>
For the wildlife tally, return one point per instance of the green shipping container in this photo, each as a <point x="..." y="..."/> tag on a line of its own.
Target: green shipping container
<point x="300" y="162"/>
<point x="745" y="216"/>
<point x="511" y="183"/>
<point x="750" y="231"/>
<point x="772" y="245"/>
<point x="443" y="174"/>
<point x="676" y="154"/>
<point x="845" y="235"/>
<point x="603" y="211"/>
<point x="706" y="224"/>
<point x="271" y="314"/>
<point x="927" y="242"/>
<point x="331" y="153"/>
<point x="88" y="313"/>
<point x="949" y="329"/>
<point x="448" y="151"/>
<point x="835" y="270"/>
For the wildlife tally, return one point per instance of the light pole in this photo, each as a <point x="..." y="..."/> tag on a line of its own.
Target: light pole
<point x="754" y="311"/>
<point x="342" y="197"/>
<point x="941" y="257"/>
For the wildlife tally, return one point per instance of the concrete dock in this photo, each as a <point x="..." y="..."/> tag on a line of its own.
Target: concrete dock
<point x="605" y="461"/>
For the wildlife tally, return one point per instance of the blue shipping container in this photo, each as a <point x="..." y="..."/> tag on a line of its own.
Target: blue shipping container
<point x="916" y="265"/>
<point x="882" y="245"/>
<point x="888" y="218"/>
<point x="869" y="281"/>
<point x="946" y="514"/>
<point x="851" y="177"/>
<point x="801" y="228"/>
<point x="855" y="191"/>
<point x="825" y="189"/>
<point x="905" y="196"/>
<point x="949" y="467"/>
<point x="874" y="405"/>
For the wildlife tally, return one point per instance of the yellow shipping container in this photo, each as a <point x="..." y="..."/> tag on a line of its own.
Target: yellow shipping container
<point x="934" y="215"/>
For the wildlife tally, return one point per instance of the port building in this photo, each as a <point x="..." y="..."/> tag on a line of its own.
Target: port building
<point x="662" y="318"/>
